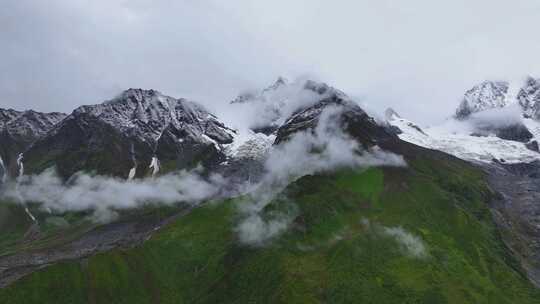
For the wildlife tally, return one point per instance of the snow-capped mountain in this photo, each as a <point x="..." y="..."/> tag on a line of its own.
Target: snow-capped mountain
<point x="290" y="108"/>
<point x="130" y="132"/>
<point x="30" y="124"/>
<point x="485" y="96"/>
<point x="270" y="107"/>
<point x="285" y="108"/>
<point x="489" y="125"/>
<point x="19" y="129"/>
<point x="353" y="119"/>
<point x="457" y="138"/>
<point x="529" y="98"/>
<point x="496" y="94"/>
<point x="141" y="132"/>
<point x="147" y="114"/>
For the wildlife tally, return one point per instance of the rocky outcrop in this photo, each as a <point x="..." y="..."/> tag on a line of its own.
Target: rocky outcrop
<point x="485" y="96"/>
<point x="529" y="98"/>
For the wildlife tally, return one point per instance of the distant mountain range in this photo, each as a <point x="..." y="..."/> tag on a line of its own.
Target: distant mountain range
<point x="496" y="94"/>
<point x="490" y="124"/>
<point x="141" y="132"/>
<point x="433" y="229"/>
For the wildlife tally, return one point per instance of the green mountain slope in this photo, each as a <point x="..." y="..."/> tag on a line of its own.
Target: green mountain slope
<point x="421" y="234"/>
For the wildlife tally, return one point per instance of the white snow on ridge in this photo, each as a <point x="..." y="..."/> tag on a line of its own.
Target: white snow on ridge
<point x="155" y="166"/>
<point x="453" y="138"/>
<point x="248" y="144"/>
<point x="132" y="173"/>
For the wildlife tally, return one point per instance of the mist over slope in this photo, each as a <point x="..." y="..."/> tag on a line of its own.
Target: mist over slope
<point x="315" y="201"/>
<point x="493" y="123"/>
<point x="421" y="233"/>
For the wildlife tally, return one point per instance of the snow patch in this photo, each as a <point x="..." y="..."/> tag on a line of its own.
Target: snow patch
<point x="453" y="137"/>
<point x="132" y="173"/>
<point x="3" y="171"/>
<point x="155" y="166"/>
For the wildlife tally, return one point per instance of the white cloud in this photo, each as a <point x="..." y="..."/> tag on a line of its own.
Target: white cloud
<point x="105" y="195"/>
<point x="500" y="117"/>
<point x="411" y="244"/>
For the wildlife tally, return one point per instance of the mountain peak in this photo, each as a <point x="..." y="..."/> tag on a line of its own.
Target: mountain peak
<point x="138" y="92"/>
<point x="139" y="95"/>
<point x="281" y="81"/>
<point x="529" y="98"/>
<point x="144" y="123"/>
<point x="485" y="96"/>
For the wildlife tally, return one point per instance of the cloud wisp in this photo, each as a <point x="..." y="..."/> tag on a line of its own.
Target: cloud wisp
<point x="306" y="153"/>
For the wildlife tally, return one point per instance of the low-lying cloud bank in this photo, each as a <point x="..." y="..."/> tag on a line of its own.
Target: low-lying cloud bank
<point x="484" y="122"/>
<point x="105" y="195"/>
<point x="498" y="118"/>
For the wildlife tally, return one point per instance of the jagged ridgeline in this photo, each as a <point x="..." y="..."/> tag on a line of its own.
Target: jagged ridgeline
<point x="127" y="132"/>
<point x="18" y="130"/>
<point x="496" y="94"/>
<point x="378" y="231"/>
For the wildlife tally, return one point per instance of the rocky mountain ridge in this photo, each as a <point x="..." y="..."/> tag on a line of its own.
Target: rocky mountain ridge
<point x="137" y="127"/>
<point x="529" y="98"/>
<point x="490" y="95"/>
<point x="19" y="130"/>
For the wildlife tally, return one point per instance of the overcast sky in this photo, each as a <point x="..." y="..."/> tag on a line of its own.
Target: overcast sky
<point x="417" y="56"/>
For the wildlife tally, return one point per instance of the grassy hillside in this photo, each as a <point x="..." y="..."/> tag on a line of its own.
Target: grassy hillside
<point x="13" y="224"/>
<point x="422" y="234"/>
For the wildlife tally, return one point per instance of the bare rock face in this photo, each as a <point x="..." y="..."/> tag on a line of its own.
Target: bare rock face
<point x="529" y="98"/>
<point x="491" y="95"/>
<point x="516" y="132"/>
<point x="19" y="130"/>
<point x="127" y="131"/>
<point x="516" y="211"/>
<point x="533" y="146"/>
<point x="485" y="96"/>
<point x="352" y="119"/>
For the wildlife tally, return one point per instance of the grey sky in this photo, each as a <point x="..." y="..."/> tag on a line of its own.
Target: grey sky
<point x="418" y="56"/>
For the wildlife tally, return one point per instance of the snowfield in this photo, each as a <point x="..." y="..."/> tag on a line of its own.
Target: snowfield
<point x="453" y="137"/>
